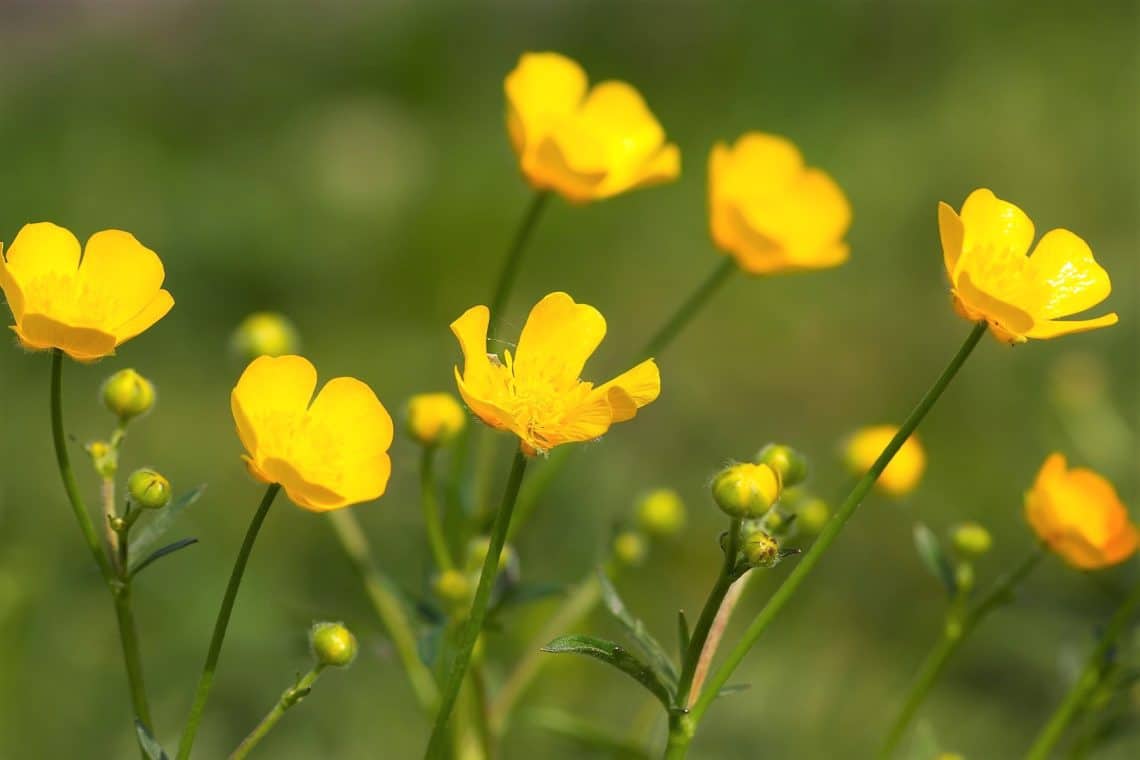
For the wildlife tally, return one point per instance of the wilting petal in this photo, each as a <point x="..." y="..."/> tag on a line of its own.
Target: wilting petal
<point x="558" y="338"/>
<point x="988" y="220"/>
<point x="1074" y="280"/>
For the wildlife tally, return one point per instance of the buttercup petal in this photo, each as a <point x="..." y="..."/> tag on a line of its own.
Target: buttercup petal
<point x="268" y="400"/>
<point x="588" y="420"/>
<point x="952" y="232"/>
<point x="354" y="431"/>
<point x="12" y="293"/>
<point x="543" y="90"/>
<point x="483" y="407"/>
<point x="1013" y="320"/>
<point x="574" y="166"/>
<point x="558" y="338"/>
<point x="1075" y="281"/>
<point x="156" y="309"/>
<point x="303" y="493"/>
<point x="1057" y="327"/>
<point x="642" y="385"/>
<point x="988" y="220"/>
<point x="665" y="166"/>
<point x="759" y="167"/>
<point x="126" y="272"/>
<point x="42" y="250"/>
<point x="41" y="332"/>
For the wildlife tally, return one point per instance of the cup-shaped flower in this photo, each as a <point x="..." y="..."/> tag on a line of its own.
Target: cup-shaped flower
<point x="327" y="454"/>
<point x="537" y="393"/>
<point x="1078" y="514"/>
<point x="1020" y="296"/>
<point x="83" y="303"/>
<point x="771" y="212"/>
<point x="904" y="472"/>
<point x="584" y="144"/>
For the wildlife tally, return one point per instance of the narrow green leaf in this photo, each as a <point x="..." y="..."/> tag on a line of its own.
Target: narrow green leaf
<point x="682" y="633"/>
<point x="931" y="553"/>
<point x="157" y="554"/>
<point x="149" y="744"/>
<point x="149" y="536"/>
<point x="648" y="645"/>
<point x="613" y="654"/>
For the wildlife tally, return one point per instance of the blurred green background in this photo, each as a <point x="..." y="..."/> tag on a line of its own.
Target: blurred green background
<point x="346" y="163"/>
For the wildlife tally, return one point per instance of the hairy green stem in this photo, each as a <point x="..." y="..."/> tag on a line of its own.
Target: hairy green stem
<point x="222" y="623"/>
<point x="288" y="699"/>
<point x="478" y="614"/>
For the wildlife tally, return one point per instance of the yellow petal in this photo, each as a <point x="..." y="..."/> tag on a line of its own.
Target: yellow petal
<point x="758" y="168"/>
<point x="990" y="221"/>
<point x="269" y="398"/>
<point x="563" y="166"/>
<point x="1055" y="328"/>
<point x="1065" y="264"/>
<point x="124" y="274"/>
<point x="42" y="251"/>
<point x="41" y="332"/>
<point x="558" y="338"/>
<point x="642" y="385"/>
<point x="303" y="493"/>
<point x="586" y="421"/>
<point x="156" y="309"/>
<point x="483" y="406"/>
<point x="1009" y="317"/>
<point x="951" y="232"/>
<point x="665" y="166"/>
<point x="12" y="293"/>
<point x="358" y="429"/>
<point x="542" y="91"/>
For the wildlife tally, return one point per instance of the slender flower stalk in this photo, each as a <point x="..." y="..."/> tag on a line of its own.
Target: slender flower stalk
<point x="289" y="698"/>
<point x="1087" y="681"/>
<point x="685" y="726"/>
<point x="433" y="521"/>
<point x="690" y="307"/>
<point x="222" y="623"/>
<point x="478" y="614"/>
<point x="117" y="583"/>
<point x="959" y="624"/>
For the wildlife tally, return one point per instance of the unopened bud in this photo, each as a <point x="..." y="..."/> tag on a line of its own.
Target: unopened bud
<point x="332" y="644"/>
<point x="104" y="457"/>
<point x="813" y="515"/>
<point x="127" y="394"/>
<point x="435" y="419"/>
<point x="148" y="489"/>
<point x="761" y="549"/>
<point x="786" y="461"/>
<point x="971" y="539"/>
<point x="746" y="490"/>
<point x="630" y="548"/>
<point x="264" y="333"/>
<point x="453" y="587"/>
<point x="661" y="513"/>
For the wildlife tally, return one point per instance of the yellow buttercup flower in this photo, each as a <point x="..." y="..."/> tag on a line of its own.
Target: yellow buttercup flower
<point x="537" y="393"/>
<point x="585" y="145"/>
<point x="1021" y="297"/>
<point x="772" y="213"/>
<point x="83" y="304"/>
<point x="903" y="473"/>
<point x="434" y="419"/>
<point x="1078" y="514"/>
<point x="326" y="454"/>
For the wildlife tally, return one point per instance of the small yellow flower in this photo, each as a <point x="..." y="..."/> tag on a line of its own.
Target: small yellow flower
<point x="1020" y="297"/>
<point x="537" y="393"/>
<point x="772" y="213"/>
<point x="585" y="145"/>
<point x="327" y="454"/>
<point x="903" y="473"/>
<point x="434" y="419"/>
<point x="83" y="304"/>
<point x="1078" y="514"/>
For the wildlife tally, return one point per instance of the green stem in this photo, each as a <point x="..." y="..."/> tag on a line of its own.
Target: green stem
<point x="385" y="598"/>
<point x="827" y="536"/>
<point x="289" y="697"/>
<point x="222" y="623"/>
<point x="689" y="308"/>
<point x="474" y="622"/>
<point x="432" y="520"/>
<point x="510" y="270"/>
<point x="119" y="589"/>
<point x="1087" y="682"/>
<point x="954" y="632"/>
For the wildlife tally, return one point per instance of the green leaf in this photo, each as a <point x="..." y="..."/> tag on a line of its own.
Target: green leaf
<point x="149" y="536"/>
<point x="931" y="553"/>
<point x="648" y="645"/>
<point x="149" y="744"/>
<point x="613" y="654"/>
<point x="682" y="634"/>
<point x="137" y="567"/>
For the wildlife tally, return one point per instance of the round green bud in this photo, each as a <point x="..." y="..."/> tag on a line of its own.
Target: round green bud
<point x="104" y="457"/>
<point x="127" y="394"/>
<point x="148" y="489"/>
<point x="630" y="548"/>
<point x="661" y="513"/>
<point x="332" y="644"/>
<point x="789" y="463"/>
<point x="971" y="539"/>
<point x="761" y="549"/>
<point x="813" y="515"/>
<point x="264" y="333"/>
<point x="453" y="587"/>
<point x="746" y="490"/>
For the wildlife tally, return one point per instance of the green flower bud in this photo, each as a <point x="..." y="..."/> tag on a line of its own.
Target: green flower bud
<point x="104" y="457"/>
<point x="661" y="513"/>
<point x="813" y="515"/>
<point x="148" y="489"/>
<point x="971" y="539"/>
<point x="332" y="644"/>
<point x="264" y="333"/>
<point x="746" y="490"/>
<point x="786" y="461"/>
<point x="630" y="548"/>
<point x="127" y="394"/>
<point x="453" y="587"/>
<point x="761" y="549"/>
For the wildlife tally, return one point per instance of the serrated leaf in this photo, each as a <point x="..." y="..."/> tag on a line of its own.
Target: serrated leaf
<point x="617" y="656"/>
<point x="150" y="746"/>
<point x="149" y="536"/>
<point x="682" y="634"/>
<point x="648" y="645"/>
<point x="158" y="554"/>
<point x="934" y="558"/>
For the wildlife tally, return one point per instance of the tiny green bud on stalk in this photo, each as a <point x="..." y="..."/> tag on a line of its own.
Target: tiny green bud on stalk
<point x="127" y="394"/>
<point x="453" y="587"/>
<point x="148" y="489"/>
<point x="630" y="548"/>
<point x="971" y="539"/>
<point x="332" y="644"/>
<point x="661" y="513"/>
<point x="104" y="457"/>
<point x="786" y="461"/>
<point x="761" y="549"/>
<point x="745" y="490"/>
